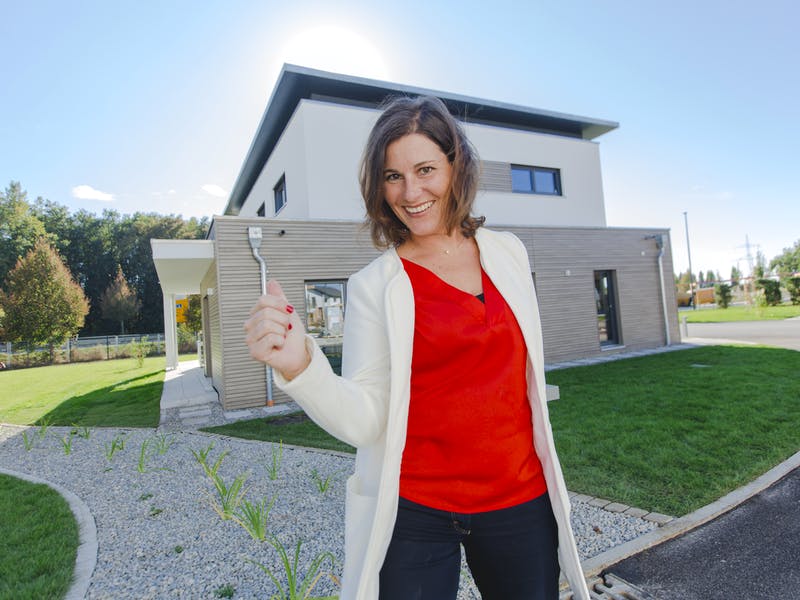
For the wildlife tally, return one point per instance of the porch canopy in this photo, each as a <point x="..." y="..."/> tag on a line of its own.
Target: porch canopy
<point x="181" y="266"/>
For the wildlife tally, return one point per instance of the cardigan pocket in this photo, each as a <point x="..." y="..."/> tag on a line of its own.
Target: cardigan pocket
<point x="359" y="516"/>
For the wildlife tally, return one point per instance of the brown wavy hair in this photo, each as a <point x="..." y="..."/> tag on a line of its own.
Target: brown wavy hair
<point x="428" y="116"/>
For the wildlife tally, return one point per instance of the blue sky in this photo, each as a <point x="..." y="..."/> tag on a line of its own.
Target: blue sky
<point x="152" y="105"/>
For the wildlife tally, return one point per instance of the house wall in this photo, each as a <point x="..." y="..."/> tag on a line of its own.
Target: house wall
<point x="330" y="250"/>
<point x="322" y="145"/>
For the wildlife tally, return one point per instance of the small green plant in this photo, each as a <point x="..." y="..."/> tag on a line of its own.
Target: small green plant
<point x="277" y="457"/>
<point x="140" y="350"/>
<point x="163" y="442"/>
<point x="144" y="457"/>
<point x="178" y="549"/>
<point x="66" y="443"/>
<point x="253" y="517"/>
<point x="296" y="589"/>
<point x="225" y="591"/>
<point x="81" y="431"/>
<point x="26" y="441"/>
<point x="201" y="456"/>
<point x="155" y="511"/>
<point x="228" y="497"/>
<point x="145" y="496"/>
<point x="118" y="443"/>
<point x="44" y="425"/>
<point x="322" y="484"/>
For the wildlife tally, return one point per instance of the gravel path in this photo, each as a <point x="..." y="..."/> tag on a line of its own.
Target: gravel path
<point x="159" y="537"/>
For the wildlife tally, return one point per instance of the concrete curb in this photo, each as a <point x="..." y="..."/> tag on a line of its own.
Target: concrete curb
<point x="594" y="566"/>
<point x="86" y="558"/>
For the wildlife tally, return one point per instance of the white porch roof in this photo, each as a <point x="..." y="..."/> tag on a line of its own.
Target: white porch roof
<point x="181" y="265"/>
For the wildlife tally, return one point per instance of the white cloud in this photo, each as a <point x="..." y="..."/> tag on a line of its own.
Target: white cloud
<point x="87" y="192"/>
<point x="214" y="190"/>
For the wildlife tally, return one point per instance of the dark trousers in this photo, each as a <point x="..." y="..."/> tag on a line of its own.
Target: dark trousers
<point x="512" y="553"/>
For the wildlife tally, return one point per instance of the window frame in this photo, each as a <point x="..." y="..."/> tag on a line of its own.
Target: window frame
<point x="279" y="191"/>
<point x="314" y="330"/>
<point x="531" y="172"/>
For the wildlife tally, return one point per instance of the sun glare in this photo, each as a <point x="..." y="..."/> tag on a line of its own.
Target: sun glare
<point x="336" y="49"/>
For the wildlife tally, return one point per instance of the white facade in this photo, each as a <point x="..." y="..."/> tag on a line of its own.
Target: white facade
<point x="320" y="149"/>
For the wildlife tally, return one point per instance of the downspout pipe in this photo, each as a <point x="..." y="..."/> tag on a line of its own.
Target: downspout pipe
<point x="254" y="236"/>
<point x="659" y="239"/>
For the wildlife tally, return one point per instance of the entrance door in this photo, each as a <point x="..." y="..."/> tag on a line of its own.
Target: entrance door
<point x="605" y="294"/>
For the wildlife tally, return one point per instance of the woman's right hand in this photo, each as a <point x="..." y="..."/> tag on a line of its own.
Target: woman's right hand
<point x="275" y="333"/>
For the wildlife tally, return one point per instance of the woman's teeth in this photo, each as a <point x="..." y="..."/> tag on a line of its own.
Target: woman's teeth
<point x="418" y="209"/>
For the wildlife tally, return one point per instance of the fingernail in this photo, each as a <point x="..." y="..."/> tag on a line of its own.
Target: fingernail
<point x="289" y="327"/>
<point x="289" y="308"/>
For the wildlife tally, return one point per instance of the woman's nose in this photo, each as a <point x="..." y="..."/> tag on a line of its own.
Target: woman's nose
<point x="412" y="188"/>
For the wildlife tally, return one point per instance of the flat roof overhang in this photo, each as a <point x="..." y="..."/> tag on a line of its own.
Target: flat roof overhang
<point x="182" y="264"/>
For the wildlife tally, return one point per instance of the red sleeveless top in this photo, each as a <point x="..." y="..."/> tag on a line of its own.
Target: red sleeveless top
<point x="469" y="444"/>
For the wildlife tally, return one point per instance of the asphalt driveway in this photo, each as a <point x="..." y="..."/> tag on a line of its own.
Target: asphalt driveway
<point x="783" y="334"/>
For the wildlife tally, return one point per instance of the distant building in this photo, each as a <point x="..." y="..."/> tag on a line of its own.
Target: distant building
<point x="601" y="289"/>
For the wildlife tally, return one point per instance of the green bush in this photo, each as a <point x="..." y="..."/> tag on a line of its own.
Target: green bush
<point x="722" y="295"/>
<point x="793" y="287"/>
<point x="771" y="292"/>
<point x="187" y="340"/>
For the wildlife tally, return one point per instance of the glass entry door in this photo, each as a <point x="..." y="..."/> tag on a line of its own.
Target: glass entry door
<point x="606" y="298"/>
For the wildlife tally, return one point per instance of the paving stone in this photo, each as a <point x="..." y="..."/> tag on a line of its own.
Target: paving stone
<point x="601" y="502"/>
<point x="616" y="507"/>
<point x="658" y="518"/>
<point x="582" y="498"/>
<point x="636" y="512"/>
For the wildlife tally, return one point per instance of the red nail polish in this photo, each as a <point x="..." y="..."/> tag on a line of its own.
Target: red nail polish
<point x="289" y="308"/>
<point x="289" y="327"/>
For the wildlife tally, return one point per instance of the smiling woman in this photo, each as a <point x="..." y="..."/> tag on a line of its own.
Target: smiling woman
<point x="333" y="48"/>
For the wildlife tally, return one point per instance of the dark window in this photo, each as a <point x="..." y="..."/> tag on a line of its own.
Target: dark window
<point x="262" y="210"/>
<point x="605" y="295"/>
<point x="535" y="180"/>
<point x="280" y="194"/>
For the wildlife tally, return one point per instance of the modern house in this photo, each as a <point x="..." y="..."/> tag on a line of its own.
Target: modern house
<point x="601" y="289"/>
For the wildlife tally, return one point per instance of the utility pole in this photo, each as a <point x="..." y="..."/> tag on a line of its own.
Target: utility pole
<point x="689" y="251"/>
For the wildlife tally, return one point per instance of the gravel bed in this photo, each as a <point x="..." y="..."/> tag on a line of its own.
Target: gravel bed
<point x="159" y="537"/>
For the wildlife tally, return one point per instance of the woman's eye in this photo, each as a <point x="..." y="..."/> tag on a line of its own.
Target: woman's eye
<point x="425" y="170"/>
<point x="392" y="176"/>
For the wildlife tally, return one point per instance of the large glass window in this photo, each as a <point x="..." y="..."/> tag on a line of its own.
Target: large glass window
<point x="280" y="194"/>
<point x="535" y="180"/>
<point x="325" y="307"/>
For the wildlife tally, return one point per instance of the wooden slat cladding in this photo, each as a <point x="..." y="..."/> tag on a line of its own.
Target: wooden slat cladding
<point x="495" y="176"/>
<point x="333" y="250"/>
<point x="307" y="250"/>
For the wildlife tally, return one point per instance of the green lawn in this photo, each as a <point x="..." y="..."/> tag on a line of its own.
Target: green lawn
<point x="40" y="541"/>
<point x="739" y="313"/>
<point x="295" y="430"/>
<point x="675" y="431"/>
<point x="112" y="393"/>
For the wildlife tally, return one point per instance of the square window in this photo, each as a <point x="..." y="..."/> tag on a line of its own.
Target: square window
<point x="280" y="194"/>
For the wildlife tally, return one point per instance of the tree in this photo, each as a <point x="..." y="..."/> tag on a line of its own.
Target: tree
<point x="787" y="263"/>
<point x="19" y="228"/>
<point x="722" y="295"/>
<point x="194" y="320"/>
<point x="119" y="301"/>
<point x="736" y="276"/>
<point x="42" y="302"/>
<point x="760" y="268"/>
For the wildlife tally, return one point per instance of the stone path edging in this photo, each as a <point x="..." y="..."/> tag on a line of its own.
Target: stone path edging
<point x="595" y="565"/>
<point x="86" y="557"/>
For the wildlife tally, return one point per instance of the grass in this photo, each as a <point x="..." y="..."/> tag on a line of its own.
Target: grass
<point x="675" y="431"/>
<point x="740" y="313"/>
<point x="40" y="541"/>
<point x="110" y="393"/>
<point x="295" y="429"/>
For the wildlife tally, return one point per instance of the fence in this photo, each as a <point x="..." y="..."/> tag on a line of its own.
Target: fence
<point x="104" y="347"/>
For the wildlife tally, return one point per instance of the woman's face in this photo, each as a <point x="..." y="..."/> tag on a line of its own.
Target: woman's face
<point x="416" y="179"/>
